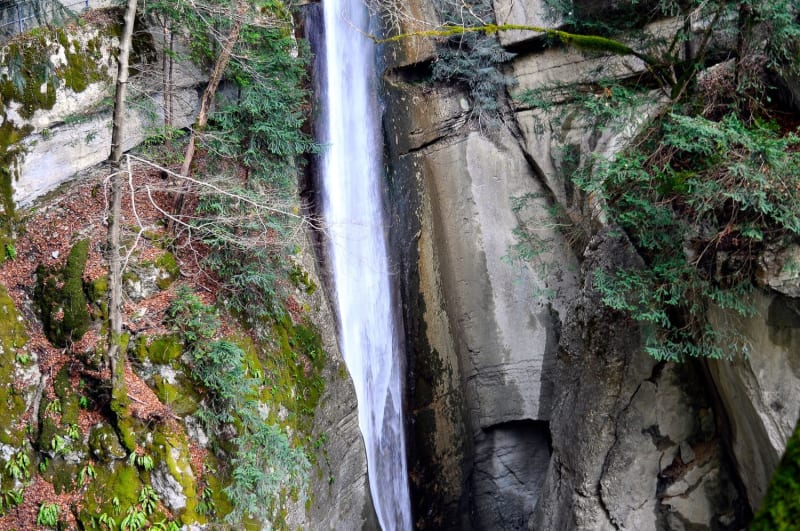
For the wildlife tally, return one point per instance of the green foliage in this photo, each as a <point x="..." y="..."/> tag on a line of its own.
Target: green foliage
<point x="9" y="499"/>
<point x="782" y="30"/>
<point x="48" y="514"/>
<point x="143" y="461"/>
<point x="148" y="499"/>
<point x="195" y="320"/>
<point x="207" y="504"/>
<point x="699" y="199"/>
<point x="265" y="466"/>
<point x="780" y="510"/>
<point x="86" y="473"/>
<point x="606" y="104"/>
<point x="17" y="466"/>
<point x="135" y="519"/>
<point x="60" y="298"/>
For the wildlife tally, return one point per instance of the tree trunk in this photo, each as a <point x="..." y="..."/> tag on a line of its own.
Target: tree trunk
<point x="205" y="105"/>
<point x="115" y="354"/>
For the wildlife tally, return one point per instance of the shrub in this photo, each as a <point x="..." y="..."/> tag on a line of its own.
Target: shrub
<point x="699" y="199"/>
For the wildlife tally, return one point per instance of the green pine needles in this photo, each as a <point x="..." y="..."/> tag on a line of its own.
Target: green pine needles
<point x="699" y="199"/>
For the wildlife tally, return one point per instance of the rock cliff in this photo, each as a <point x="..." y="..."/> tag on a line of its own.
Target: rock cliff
<point x="531" y="405"/>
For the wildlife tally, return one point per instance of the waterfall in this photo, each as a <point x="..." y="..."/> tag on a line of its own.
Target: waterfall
<point x="352" y="170"/>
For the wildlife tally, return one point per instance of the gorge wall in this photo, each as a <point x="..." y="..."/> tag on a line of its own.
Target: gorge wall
<point x="531" y="404"/>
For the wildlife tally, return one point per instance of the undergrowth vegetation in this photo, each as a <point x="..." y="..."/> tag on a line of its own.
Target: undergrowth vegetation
<point x="266" y="466"/>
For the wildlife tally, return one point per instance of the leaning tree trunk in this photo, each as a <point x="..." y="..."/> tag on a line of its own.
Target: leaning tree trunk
<point x="205" y="105"/>
<point x="115" y="354"/>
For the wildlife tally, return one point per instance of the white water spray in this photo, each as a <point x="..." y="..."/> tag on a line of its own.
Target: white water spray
<point x="353" y="209"/>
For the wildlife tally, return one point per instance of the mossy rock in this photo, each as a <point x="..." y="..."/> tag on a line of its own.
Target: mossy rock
<point x="113" y="491"/>
<point x="170" y="451"/>
<point x="161" y="350"/>
<point x="97" y="292"/>
<point x="104" y="444"/>
<point x="12" y="340"/>
<point x="181" y="396"/>
<point x="62" y="475"/>
<point x="63" y="311"/>
<point x="70" y="400"/>
<point x="168" y="270"/>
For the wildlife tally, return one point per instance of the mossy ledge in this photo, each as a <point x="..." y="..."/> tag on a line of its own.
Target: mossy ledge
<point x="38" y="64"/>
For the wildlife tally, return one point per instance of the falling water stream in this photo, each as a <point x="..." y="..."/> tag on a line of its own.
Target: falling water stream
<point x="353" y="209"/>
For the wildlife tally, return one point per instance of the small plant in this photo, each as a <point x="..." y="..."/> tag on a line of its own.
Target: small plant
<point x="207" y="505"/>
<point x="48" y="514"/>
<point x="164" y="525"/>
<point x="134" y="520"/>
<point x="148" y="499"/>
<point x="10" y="499"/>
<point x="11" y="251"/>
<point x="86" y="473"/>
<point x="53" y="407"/>
<point x="74" y="432"/>
<point x="144" y="462"/>
<point x="59" y="444"/>
<point x="23" y="358"/>
<point x="107" y="521"/>
<point x="43" y="465"/>
<point x="17" y="466"/>
<point x="115" y="505"/>
<point x="83" y="402"/>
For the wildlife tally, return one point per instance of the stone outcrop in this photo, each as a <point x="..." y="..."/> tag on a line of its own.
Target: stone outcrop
<point x="73" y="135"/>
<point x="481" y="390"/>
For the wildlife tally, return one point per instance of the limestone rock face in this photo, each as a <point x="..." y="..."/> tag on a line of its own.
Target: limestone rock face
<point x="480" y="366"/>
<point x="74" y="134"/>
<point x="761" y="392"/>
<point x="531" y="404"/>
<point x="637" y="446"/>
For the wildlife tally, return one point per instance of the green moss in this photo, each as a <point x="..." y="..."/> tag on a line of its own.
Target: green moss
<point x="48" y="430"/>
<point x="11" y="149"/>
<point x="12" y="341"/>
<point x="293" y="373"/>
<point x="301" y="279"/>
<point x="70" y="401"/>
<point x="167" y="264"/>
<point x="104" y="444"/>
<point x="162" y="349"/>
<point x="120" y="482"/>
<point x="781" y="507"/>
<point x="62" y="475"/>
<point x="181" y="397"/>
<point x="172" y="449"/>
<point x="63" y="311"/>
<point x="98" y="289"/>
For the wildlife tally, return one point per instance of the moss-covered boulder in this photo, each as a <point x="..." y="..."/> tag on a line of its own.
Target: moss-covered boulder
<point x="60" y="298"/>
<point x="104" y="444"/>
<point x="161" y="349"/>
<point x="12" y="343"/>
